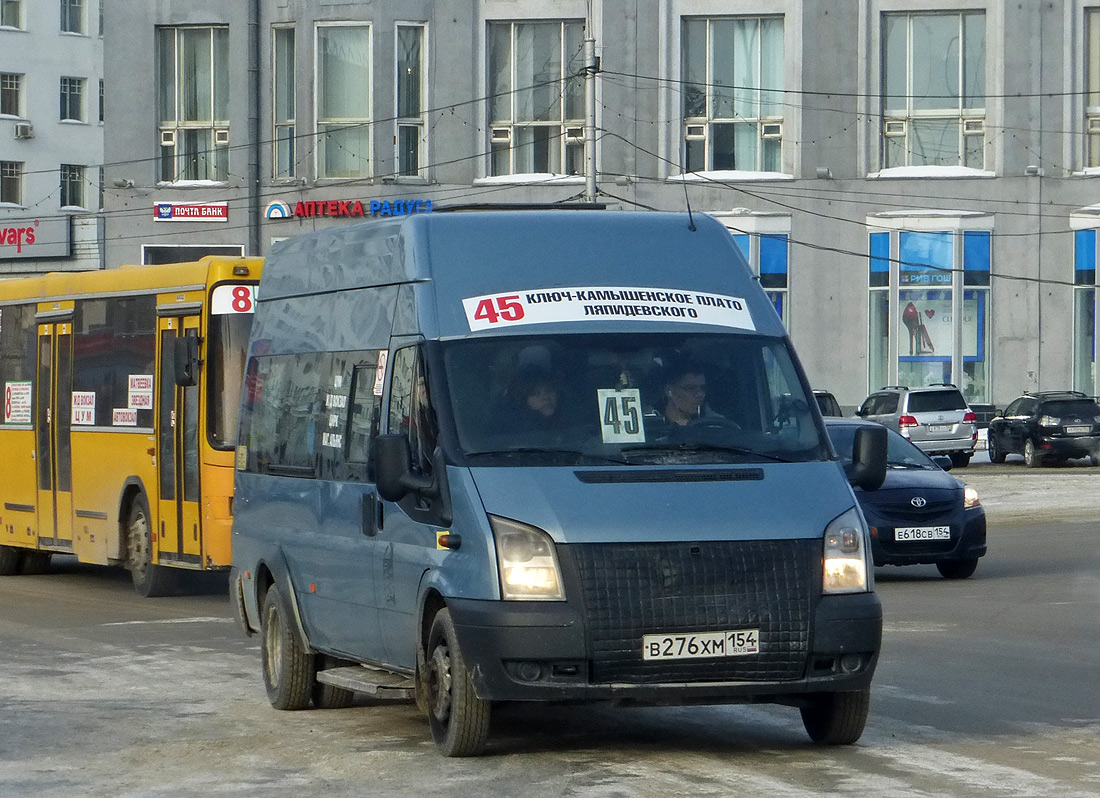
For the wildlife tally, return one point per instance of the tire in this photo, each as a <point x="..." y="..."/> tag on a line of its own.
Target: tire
<point x="957" y="569"/>
<point x="996" y="454"/>
<point x="35" y="562"/>
<point x="288" y="669"/>
<point x="1031" y="456"/>
<point x="459" y="720"/>
<point x="10" y="559"/>
<point x="836" y="718"/>
<point x="960" y="459"/>
<point x="1094" y="460"/>
<point x="328" y="696"/>
<point x="149" y="580"/>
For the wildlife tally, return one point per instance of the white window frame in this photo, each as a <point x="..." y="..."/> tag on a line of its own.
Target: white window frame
<point x="11" y="173"/>
<point x="13" y="82"/>
<point x="366" y="122"/>
<point x="170" y="132"/>
<point x="971" y="120"/>
<point x="72" y="91"/>
<point x="12" y="11"/>
<point x="73" y="17"/>
<point x="288" y="125"/>
<point x="769" y="128"/>
<point x="1091" y="85"/>
<point x="72" y="185"/>
<point x="418" y="122"/>
<point x="502" y="132"/>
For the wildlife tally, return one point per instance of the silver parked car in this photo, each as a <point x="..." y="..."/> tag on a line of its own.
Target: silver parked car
<point x="935" y="418"/>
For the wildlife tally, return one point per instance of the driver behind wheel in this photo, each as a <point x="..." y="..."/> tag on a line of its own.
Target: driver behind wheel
<point x="685" y="396"/>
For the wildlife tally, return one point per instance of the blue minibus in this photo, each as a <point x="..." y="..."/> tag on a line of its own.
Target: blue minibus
<point x="545" y="456"/>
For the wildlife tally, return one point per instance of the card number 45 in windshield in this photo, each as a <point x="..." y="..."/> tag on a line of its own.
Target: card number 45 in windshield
<point x="501" y="308"/>
<point x="621" y="415"/>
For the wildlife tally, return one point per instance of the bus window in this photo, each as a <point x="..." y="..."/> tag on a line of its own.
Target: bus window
<point x="226" y="351"/>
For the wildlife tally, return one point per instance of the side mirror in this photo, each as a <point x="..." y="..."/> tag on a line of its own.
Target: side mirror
<point x="942" y="461"/>
<point x="391" y="457"/>
<point x="185" y="359"/>
<point x="869" y="458"/>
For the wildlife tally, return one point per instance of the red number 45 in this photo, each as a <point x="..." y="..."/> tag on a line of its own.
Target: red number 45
<point x="507" y="308"/>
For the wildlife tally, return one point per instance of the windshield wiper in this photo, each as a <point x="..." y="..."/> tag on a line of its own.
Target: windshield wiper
<point x="541" y="450"/>
<point x="677" y="448"/>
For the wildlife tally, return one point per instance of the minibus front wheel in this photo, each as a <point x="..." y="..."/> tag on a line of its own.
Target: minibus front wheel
<point x="836" y="718"/>
<point x="288" y="669"/>
<point x="459" y="720"/>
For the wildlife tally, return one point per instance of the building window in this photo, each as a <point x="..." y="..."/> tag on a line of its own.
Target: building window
<point x="72" y="16"/>
<point x="283" y="103"/>
<point x="343" y="101"/>
<point x="11" y="182"/>
<point x="1084" y="311"/>
<point x="193" y="81"/>
<point x="101" y="104"/>
<point x="11" y="13"/>
<point x="929" y="309"/>
<point x="768" y="255"/>
<point x="933" y="89"/>
<point x="536" y="97"/>
<point x="72" y="99"/>
<point x="732" y="73"/>
<point x="72" y="186"/>
<point x="11" y="94"/>
<point x="410" y="99"/>
<point x="1092" y="85"/>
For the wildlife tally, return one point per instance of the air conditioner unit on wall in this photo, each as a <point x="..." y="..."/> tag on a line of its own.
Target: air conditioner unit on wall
<point x="24" y="130"/>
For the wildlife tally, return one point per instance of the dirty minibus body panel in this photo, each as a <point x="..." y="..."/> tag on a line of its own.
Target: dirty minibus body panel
<point x="666" y="524"/>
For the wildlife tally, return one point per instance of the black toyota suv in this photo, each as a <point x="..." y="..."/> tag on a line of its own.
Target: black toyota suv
<point x="1047" y="426"/>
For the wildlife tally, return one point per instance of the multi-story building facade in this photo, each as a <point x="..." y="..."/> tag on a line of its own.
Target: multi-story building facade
<point x="914" y="182"/>
<point x="51" y="135"/>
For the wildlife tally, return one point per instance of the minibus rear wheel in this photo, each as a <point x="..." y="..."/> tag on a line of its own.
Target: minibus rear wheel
<point x="288" y="669"/>
<point x="836" y="718"/>
<point x="459" y="720"/>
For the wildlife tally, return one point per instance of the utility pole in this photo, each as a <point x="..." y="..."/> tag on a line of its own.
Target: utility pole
<point x="591" y="67"/>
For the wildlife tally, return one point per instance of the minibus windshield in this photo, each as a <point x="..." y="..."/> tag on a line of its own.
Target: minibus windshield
<point x="629" y="399"/>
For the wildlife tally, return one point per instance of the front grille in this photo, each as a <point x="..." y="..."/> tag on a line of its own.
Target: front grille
<point x="632" y="590"/>
<point x="927" y="514"/>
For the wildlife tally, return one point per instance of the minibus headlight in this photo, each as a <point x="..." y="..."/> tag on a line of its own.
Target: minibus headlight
<point x="845" y="555"/>
<point x="527" y="562"/>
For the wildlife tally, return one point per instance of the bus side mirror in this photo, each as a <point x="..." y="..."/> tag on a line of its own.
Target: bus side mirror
<point x="391" y="460"/>
<point x="395" y="481"/>
<point x="185" y="358"/>
<point x="869" y="458"/>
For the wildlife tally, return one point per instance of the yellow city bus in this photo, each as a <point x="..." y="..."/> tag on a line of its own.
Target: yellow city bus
<point x="120" y="395"/>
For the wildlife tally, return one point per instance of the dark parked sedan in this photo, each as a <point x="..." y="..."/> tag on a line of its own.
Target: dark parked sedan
<point x="921" y="514"/>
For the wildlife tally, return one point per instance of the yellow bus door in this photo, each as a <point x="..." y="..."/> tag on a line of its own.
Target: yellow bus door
<point x="53" y="423"/>
<point x="178" y="451"/>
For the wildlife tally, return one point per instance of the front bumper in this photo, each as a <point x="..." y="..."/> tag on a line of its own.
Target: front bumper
<point x="968" y="540"/>
<point x="523" y="651"/>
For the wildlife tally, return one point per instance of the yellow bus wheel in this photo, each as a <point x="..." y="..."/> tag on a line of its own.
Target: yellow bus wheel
<point x="9" y="560"/>
<point x="150" y="580"/>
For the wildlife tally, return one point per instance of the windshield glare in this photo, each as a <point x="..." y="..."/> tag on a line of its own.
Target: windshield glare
<point x="629" y="399"/>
